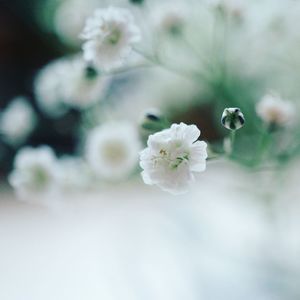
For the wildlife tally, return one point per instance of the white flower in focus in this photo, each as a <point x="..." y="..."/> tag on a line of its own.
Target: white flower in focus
<point x="66" y="83"/>
<point x="17" y="121"/>
<point x="274" y="110"/>
<point x="109" y="36"/>
<point x="172" y="156"/>
<point x="112" y="150"/>
<point x="34" y="171"/>
<point x="70" y="18"/>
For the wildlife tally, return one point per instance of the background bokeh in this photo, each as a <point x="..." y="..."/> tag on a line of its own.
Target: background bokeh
<point x="234" y="235"/>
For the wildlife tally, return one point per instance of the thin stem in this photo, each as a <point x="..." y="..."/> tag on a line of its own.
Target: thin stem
<point x="263" y="146"/>
<point x="155" y="59"/>
<point x="232" y="141"/>
<point x="127" y="69"/>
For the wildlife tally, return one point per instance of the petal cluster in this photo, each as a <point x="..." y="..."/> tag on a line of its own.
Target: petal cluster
<point x="64" y="83"/>
<point x="17" y="121"/>
<point x="274" y="110"/>
<point x="109" y="35"/>
<point x="172" y="157"/>
<point x="112" y="150"/>
<point x="34" y="170"/>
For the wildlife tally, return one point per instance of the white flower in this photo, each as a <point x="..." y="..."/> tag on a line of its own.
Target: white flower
<point x="72" y="173"/>
<point x="65" y="82"/>
<point x="34" y="171"/>
<point x="81" y="89"/>
<point x="273" y="110"/>
<point x="70" y="18"/>
<point x="17" y="121"/>
<point x="112" y="150"/>
<point x="172" y="156"/>
<point x="170" y="17"/>
<point x="109" y="36"/>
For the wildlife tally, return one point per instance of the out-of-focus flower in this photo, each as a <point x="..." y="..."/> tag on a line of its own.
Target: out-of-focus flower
<point x="70" y="18"/>
<point x="232" y="118"/>
<point x="112" y="150"/>
<point x="72" y="174"/>
<point x="17" y="121"/>
<point x="274" y="110"/>
<point x="109" y="36"/>
<point x="172" y="156"/>
<point x="170" y="17"/>
<point x="236" y="8"/>
<point x="68" y="82"/>
<point x="34" y="170"/>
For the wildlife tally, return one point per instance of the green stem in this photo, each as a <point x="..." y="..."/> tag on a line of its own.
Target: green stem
<point x="263" y="146"/>
<point x="232" y="141"/>
<point x="155" y="59"/>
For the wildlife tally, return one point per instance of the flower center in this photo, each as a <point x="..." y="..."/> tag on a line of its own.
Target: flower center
<point x="114" y="153"/>
<point x="174" y="163"/>
<point x="114" y="37"/>
<point x="41" y="176"/>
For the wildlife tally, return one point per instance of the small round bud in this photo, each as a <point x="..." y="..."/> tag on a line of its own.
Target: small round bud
<point x="153" y="120"/>
<point x="90" y="72"/>
<point x="232" y="118"/>
<point x="139" y="2"/>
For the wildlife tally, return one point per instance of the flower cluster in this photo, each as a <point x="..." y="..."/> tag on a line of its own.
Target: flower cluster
<point x="67" y="82"/>
<point x="189" y="61"/>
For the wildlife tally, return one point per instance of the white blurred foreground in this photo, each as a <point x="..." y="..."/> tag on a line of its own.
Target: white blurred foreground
<point x="135" y="242"/>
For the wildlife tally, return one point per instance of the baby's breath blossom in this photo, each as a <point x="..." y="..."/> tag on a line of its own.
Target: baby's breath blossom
<point x="273" y="110"/>
<point x="112" y="150"/>
<point x="170" y="17"/>
<point x="34" y="171"/>
<point x="73" y="174"/>
<point x="172" y="156"/>
<point x="109" y="36"/>
<point x="67" y="82"/>
<point x="17" y="121"/>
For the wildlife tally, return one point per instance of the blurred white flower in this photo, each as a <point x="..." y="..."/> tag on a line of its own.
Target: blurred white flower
<point x="169" y="17"/>
<point x="274" y="110"/>
<point x="82" y="85"/>
<point x="109" y="35"/>
<point x="70" y="18"/>
<point x="34" y="171"/>
<point x="172" y="156"/>
<point x="66" y="82"/>
<point x="72" y="174"/>
<point x="112" y="150"/>
<point x="17" y="121"/>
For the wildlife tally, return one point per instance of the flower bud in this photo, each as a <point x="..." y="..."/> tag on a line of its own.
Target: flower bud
<point x="90" y="72"/>
<point x="139" y="2"/>
<point x="232" y="118"/>
<point x="153" y="120"/>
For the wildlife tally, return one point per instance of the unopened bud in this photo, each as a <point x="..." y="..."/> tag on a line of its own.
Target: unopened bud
<point x="232" y="118"/>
